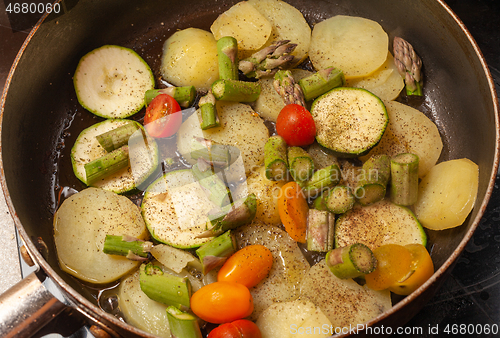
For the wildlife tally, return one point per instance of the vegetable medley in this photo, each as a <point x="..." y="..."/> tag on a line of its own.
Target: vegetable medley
<point x="302" y="187"/>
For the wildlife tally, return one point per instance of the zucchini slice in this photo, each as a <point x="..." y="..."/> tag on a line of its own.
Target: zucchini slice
<point x="349" y="121"/>
<point x="380" y="223"/>
<point x="111" y="81"/>
<point x="175" y="210"/>
<point x="143" y="154"/>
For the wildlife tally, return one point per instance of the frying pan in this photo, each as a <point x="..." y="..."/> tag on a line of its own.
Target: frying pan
<point x="41" y="119"/>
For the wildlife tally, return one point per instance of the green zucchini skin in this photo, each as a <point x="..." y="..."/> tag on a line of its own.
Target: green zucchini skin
<point x="349" y="121"/>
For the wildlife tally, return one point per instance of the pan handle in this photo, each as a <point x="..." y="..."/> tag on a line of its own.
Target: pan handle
<point x="27" y="307"/>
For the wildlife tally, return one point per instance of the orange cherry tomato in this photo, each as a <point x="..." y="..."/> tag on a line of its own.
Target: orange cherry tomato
<point x="222" y="302"/>
<point x="293" y="210"/>
<point x="296" y="125"/>
<point x="163" y="117"/>
<point x="241" y="328"/>
<point x="247" y="266"/>
<point x="422" y="269"/>
<point x="393" y="264"/>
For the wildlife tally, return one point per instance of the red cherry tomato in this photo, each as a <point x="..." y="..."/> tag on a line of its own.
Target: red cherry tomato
<point x="163" y="117"/>
<point x="240" y="328"/>
<point x="296" y="125"/>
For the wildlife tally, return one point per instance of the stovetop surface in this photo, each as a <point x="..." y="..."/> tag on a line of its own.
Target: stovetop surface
<point x="469" y="300"/>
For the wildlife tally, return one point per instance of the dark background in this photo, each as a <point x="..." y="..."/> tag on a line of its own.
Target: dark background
<point x="471" y="295"/>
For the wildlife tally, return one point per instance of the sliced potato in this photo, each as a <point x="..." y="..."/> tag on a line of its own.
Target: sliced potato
<point x="343" y="301"/>
<point x="266" y="192"/>
<point x="190" y="59"/>
<point x="409" y="131"/>
<point x="446" y="195"/>
<point x="356" y="45"/>
<point x="80" y="226"/>
<point x="269" y="103"/>
<point x="385" y="82"/>
<point x="288" y="23"/>
<point x="240" y="127"/>
<point x="289" y="265"/>
<point x="141" y="311"/>
<point x="244" y="23"/>
<point x="286" y="319"/>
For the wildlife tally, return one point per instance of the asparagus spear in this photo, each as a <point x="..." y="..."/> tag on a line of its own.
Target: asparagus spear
<point x="234" y="90"/>
<point x="351" y="261"/>
<point x="321" y="180"/>
<point x="266" y="61"/>
<point x="374" y="177"/>
<point x="240" y="213"/>
<point x="320" y="230"/>
<point x="130" y="247"/>
<point x="409" y="66"/>
<point x="216" y="155"/>
<point x="214" y="253"/>
<point x="290" y="91"/>
<point x="164" y="287"/>
<point x="404" y="179"/>
<point x="213" y="186"/>
<point x="300" y="163"/>
<point x="182" y="324"/>
<point x="209" y="117"/>
<point x="227" y="49"/>
<point x="107" y="165"/>
<point x="321" y="82"/>
<point x="339" y="199"/>
<point x="183" y="95"/>
<point x="117" y="137"/>
<point x="275" y="160"/>
<point x="319" y="203"/>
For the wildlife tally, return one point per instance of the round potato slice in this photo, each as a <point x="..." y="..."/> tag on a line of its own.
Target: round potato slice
<point x="356" y="45"/>
<point x="288" y="23"/>
<point x="244" y="23"/>
<point x="190" y="59"/>
<point x="447" y="194"/>
<point x="385" y="82"/>
<point x="80" y="227"/>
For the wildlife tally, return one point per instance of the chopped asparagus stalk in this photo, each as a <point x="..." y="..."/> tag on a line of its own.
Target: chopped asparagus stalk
<point x="239" y="213"/>
<point x="214" y="253"/>
<point x="322" y="179"/>
<point x="216" y="155"/>
<point x="130" y="247"/>
<point x="117" y="137"/>
<point x="164" y="287"/>
<point x="213" y="186"/>
<point x="106" y="165"/>
<point x="234" y="90"/>
<point x="266" y="61"/>
<point x="289" y="91"/>
<point x="319" y="203"/>
<point x="227" y="49"/>
<point x="183" y="95"/>
<point x="300" y="163"/>
<point x="320" y="230"/>
<point x="321" y="82"/>
<point x="404" y="179"/>
<point x="409" y="66"/>
<point x="351" y="261"/>
<point x="209" y="117"/>
<point x="183" y="324"/>
<point x="339" y="199"/>
<point x="374" y="177"/>
<point x="275" y="160"/>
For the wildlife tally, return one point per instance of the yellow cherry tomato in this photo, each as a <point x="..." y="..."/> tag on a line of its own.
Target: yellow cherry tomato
<point x="293" y="210"/>
<point x="422" y="269"/>
<point x="222" y="302"/>
<point x="393" y="264"/>
<point x="247" y="266"/>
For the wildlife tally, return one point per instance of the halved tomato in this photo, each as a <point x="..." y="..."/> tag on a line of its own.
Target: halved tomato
<point x="163" y="116"/>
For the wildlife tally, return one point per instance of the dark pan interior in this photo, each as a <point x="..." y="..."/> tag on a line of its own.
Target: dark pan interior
<point x="42" y="118"/>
